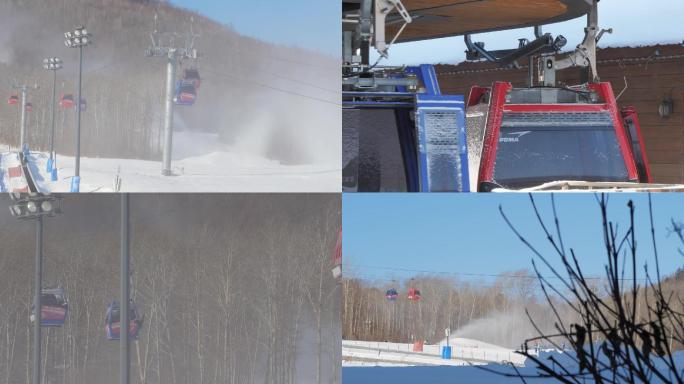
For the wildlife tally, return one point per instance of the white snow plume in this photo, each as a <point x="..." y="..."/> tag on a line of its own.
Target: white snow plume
<point x="281" y="112"/>
<point x="509" y="329"/>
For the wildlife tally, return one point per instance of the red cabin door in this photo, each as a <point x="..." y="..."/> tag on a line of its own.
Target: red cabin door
<point x="633" y="128"/>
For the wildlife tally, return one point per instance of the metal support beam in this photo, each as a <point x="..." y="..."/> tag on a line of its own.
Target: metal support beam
<point x="52" y="119"/>
<point x="585" y="53"/>
<point x="168" y="112"/>
<point x="22" y="133"/>
<point x="476" y="50"/>
<point x="382" y="9"/>
<point x="79" y="38"/>
<point x="53" y="64"/>
<point x="124" y="340"/>
<point x="509" y="58"/>
<point x="77" y="165"/>
<point x="530" y="71"/>
<point x="174" y="52"/>
<point x="545" y="42"/>
<point x="35" y="207"/>
<point x="549" y="70"/>
<point x="37" y="339"/>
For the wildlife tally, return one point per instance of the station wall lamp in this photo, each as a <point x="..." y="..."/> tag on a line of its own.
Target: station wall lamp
<point x="666" y="108"/>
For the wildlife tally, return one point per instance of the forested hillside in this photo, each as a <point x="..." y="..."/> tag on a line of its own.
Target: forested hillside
<point x="276" y="101"/>
<point x="233" y="289"/>
<point x="494" y="312"/>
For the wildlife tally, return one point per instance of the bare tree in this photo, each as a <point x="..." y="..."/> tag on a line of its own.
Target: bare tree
<point x="222" y="282"/>
<point x="627" y="333"/>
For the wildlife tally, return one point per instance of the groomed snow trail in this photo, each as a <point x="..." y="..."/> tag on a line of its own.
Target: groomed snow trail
<point x="464" y="352"/>
<point x="198" y="165"/>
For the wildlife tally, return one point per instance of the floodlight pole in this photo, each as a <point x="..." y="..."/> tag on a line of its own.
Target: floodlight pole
<point x="169" y="106"/>
<point x="37" y="319"/>
<point x="35" y="207"/>
<point x="124" y="341"/>
<point x="78" y="39"/>
<point x="77" y="165"/>
<point x="53" y="64"/>
<point x="22" y="132"/>
<point x="52" y="120"/>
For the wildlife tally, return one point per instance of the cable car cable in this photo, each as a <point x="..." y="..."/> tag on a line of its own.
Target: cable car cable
<point x="279" y="76"/>
<point x="505" y="275"/>
<point x="231" y="77"/>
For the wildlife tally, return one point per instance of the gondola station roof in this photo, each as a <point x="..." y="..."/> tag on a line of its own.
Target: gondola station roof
<point x="443" y="18"/>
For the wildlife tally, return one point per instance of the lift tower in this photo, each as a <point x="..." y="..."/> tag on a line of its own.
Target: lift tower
<point x="175" y="47"/>
<point x="24" y="89"/>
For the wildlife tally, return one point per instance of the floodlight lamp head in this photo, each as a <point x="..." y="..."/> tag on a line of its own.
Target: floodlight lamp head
<point x="46" y="206"/>
<point x="32" y="207"/>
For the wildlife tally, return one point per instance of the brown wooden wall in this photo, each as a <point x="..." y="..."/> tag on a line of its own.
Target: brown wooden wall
<point x="652" y="74"/>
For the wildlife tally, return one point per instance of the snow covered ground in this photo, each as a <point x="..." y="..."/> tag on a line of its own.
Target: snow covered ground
<point x="201" y="164"/>
<point x="458" y="374"/>
<point x="464" y="352"/>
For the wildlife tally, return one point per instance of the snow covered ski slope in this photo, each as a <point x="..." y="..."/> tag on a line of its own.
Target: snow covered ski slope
<point x="464" y="352"/>
<point x="197" y="167"/>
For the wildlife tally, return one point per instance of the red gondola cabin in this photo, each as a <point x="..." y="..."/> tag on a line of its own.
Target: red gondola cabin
<point x="414" y="294"/>
<point x="66" y="101"/>
<point x="532" y="136"/>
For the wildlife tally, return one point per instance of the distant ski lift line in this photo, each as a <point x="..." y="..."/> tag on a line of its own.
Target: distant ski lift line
<point x="335" y="91"/>
<point x="531" y="277"/>
<point x="390" y="282"/>
<point x="231" y="77"/>
<point x="298" y="62"/>
<point x="479" y="282"/>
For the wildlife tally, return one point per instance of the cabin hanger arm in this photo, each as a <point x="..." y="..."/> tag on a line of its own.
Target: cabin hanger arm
<point x="382" y="9"/>
<point x="585" y="53"/>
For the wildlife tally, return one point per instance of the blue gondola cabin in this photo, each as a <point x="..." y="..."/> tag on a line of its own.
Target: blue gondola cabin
<point x="54" y="308"/>
<point x="186" y="94"/>
<point x="113" y="321"/>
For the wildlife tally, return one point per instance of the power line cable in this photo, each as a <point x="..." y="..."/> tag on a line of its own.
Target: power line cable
<point x="470" y="274"/>
<point x="280" y="76"/>
<point x="327" y="68"/>
<point x="231" y="77"/>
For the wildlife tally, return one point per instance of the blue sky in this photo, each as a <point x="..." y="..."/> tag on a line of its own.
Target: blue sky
<point x="313" y="24"/>
<point x="634" y="22"/>
<point x="465" y="234"/>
